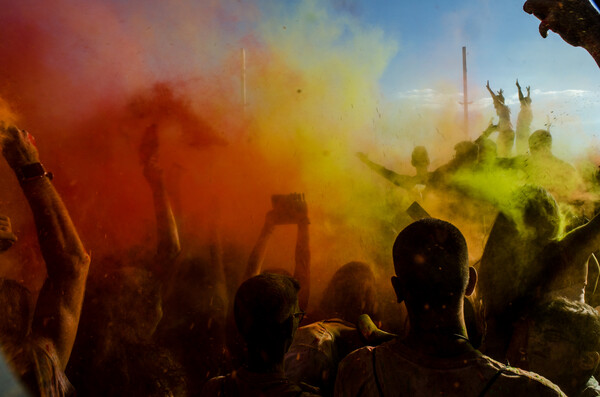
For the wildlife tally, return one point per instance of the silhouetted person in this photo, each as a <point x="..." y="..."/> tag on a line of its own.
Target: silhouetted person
<point x="193" y="327"/>
<point x="526" y="260"/>
<point x="523" y="120"/>
<point x="465" y="159"/>
<point x="506" y="134"/>
<point x="288" y="209"/>
<point x="419" y="160"/>
<point x="319" y="347"/>
<point x="436" y="358"/>
<point x="39" y="353"/>
<point x="267" y="315"/>
<point x="126" y="307"/>
<point x="553" y="174"/>
<point x="564" y="346"/>
<point x="487" y="149"/>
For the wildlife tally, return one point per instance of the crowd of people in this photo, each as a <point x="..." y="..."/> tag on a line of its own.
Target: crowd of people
<point x="521" y="320"/>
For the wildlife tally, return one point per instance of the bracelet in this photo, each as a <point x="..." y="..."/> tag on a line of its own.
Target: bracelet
<point x="32" y="172"/>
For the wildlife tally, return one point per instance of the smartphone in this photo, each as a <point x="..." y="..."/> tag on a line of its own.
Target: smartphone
<point x="287" y="208"/>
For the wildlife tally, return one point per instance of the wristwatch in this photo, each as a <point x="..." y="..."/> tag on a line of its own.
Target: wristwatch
<point x="31" y="172"/>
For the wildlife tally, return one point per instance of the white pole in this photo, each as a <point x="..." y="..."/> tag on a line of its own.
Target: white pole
<point x="244" y="77"/>
<point x="465" y="97"/>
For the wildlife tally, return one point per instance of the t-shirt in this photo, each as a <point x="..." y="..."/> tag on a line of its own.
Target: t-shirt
<point x="401" y="371"/>
<point x="317" y="350"/>
<point x="244" y="383"/>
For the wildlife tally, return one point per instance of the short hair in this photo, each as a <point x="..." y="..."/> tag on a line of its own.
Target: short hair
<point x="431" y="261"/>
<point x="540" y="139"/>
<point x="579" y="319"/>
<point x="16" y="312"/>
<point x="419" y="156"/>
<point x="262" y="305"/>
<point x="351" y="292"/>
<point x="539" y="209"/>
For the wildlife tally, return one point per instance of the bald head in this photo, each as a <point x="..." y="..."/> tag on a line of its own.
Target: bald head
<point x="431" y="263"/>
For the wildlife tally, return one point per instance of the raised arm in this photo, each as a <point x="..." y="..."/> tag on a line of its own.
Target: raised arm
<point x="404" y="181"/>
<point x="257" y="256"/>
<point x="521" y="97"/>
<point x="576" y="21"/>
<point x="302" y="269"/>
<point x="580" y="243"/>
<point x="293" y="210"/>
<point x="487" y="85"/>
<point x="168" y="245"/>
<point x="488" y="131"/>
<point x="58" y="306"/>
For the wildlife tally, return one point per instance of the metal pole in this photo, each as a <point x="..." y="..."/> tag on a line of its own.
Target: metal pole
<point x="465" y="96"/>
<point x="244" y="77"/>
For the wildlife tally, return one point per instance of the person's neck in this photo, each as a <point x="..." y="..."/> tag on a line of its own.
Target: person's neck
<point x="438" y="334"/>
<point x="422" y="172"/>
<point x="439" y="344"/>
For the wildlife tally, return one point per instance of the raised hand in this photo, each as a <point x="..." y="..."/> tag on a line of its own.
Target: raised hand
<point x="18" y="146"/>
<point x="571" y="19"/>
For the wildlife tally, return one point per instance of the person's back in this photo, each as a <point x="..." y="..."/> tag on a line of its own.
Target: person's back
<point x="394" y="369"/>
<point x="436" y="358"/>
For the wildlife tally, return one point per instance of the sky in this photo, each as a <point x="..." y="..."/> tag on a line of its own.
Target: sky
<point x="503" y="44"/>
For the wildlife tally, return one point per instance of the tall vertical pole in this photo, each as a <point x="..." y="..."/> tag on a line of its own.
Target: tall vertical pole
<point x="244" y="77"/>
<point x="465" y="96"/>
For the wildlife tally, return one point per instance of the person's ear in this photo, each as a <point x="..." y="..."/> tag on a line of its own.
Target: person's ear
<point x="588" y="361"/>
<point x="472" y="281"/>
<point x="397" y="285"/>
